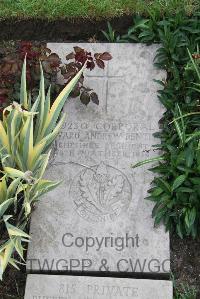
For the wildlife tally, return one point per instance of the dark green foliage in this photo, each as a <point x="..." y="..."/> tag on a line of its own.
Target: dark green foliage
<point x="176" y="191"/>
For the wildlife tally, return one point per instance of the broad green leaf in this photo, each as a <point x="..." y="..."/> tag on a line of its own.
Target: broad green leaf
<point x="163" y="185"/>
<point x="178" y="181"/>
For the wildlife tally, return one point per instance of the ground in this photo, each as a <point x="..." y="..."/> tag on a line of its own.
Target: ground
<point x="87" y="9"/>
<point x="185" y="261"/>
<point x="13" y="285"/>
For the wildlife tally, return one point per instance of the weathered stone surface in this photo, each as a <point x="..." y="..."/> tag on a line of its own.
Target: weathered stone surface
<point x="77" y="287"/>
<point x="98" y="220"/>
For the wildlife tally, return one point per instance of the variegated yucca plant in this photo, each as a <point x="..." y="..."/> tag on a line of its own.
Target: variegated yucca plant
<point x="26" y="133"/>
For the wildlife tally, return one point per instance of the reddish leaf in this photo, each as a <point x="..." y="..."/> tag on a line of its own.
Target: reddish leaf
<point x="70" y="56"/>
<point x="47" y="50"/>
<point x="90" y="65"/>
<point x="54" y="59"/>
<point x="97" y="55"/>
<point x="94" y="98"/>
<point x="100" y="63"/>
<point x="78" y="49"/>
<point x="105" y="56"/>
<point x="85" y="98"/>
<point x="81" y="57"/>
<point x="75" y="92"/>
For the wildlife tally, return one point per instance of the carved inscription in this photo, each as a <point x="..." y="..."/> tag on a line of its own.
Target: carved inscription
<point x="106" y="139"/>
<point x="101" y="193"/>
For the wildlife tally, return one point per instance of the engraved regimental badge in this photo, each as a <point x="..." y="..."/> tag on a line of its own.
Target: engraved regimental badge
<point x="100" y="193"/>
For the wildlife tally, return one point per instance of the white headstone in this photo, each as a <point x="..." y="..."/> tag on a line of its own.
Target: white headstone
<point x="98" y="219"/>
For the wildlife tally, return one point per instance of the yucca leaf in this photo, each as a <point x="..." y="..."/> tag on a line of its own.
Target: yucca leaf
<point x="58" y="105"/>
<point x="26" y="139"/>
<point x="13" y="187"/>
<point x="43" y="145"/>
<point x="14" y="173"/>
<point x="43" y="187"/>
<point x="6" y="252"/>
<point x="20" y="163"/>
<point x="3" y="190"/>
<point x="49" y="139"/>
<point x="13" y="262"/>
<point x="13" y="124"/>
<point x="5" y="205"/>
<point x="43" y="165"/>
<point x="19" y="248"/>
<point x="47" y="105"/>
<point x="14" y="231"/>
<point x="23" y="89"/>
<point x="34" y="108"/>
<point x="40" y="116"/>
<point x="4" y="142"/>
<point x="37" y="151"/>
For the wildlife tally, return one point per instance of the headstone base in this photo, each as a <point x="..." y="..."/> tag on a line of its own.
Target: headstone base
<point x="85" y="287"/>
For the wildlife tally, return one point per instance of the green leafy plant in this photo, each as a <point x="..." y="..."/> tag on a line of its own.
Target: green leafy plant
<point x="111" y="35"/>
<point x="176" y="186"/>
<point x="26" y="134"/>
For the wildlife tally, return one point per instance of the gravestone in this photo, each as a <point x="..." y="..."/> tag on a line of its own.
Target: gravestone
<point x="97" y="220"/>
<point x="77" y="287"/>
